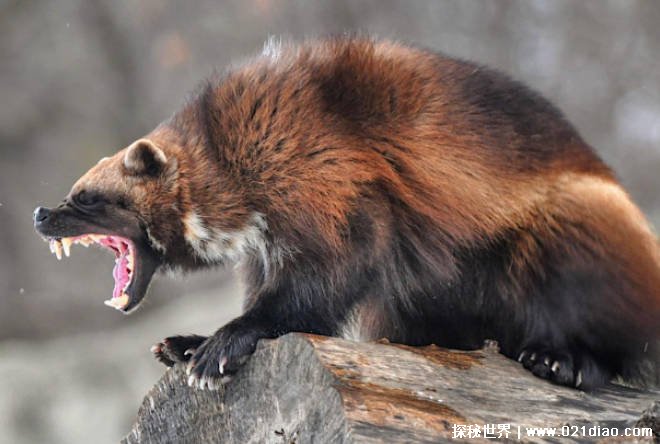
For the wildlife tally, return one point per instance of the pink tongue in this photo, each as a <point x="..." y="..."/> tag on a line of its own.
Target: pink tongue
<point x="120" y="273"/>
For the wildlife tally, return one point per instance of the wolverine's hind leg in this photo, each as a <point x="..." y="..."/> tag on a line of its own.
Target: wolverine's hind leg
<point x="564" y="367"/>
<point x="589" y="271"/>
<point x="556" y="366"/>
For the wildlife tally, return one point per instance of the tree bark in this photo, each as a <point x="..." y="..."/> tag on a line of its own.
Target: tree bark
<point x="311" y="389"/>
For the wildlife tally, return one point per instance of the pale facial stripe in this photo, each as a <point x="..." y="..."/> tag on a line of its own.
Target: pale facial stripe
<point x="155" y="242"/>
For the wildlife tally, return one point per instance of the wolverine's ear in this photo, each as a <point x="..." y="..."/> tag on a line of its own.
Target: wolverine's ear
<point x="143" y="157"/>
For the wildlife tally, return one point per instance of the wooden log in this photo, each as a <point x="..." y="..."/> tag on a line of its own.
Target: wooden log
<point x="311" y="389"/>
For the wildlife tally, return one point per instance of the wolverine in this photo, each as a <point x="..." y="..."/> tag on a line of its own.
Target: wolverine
<point x="369" y="189"/>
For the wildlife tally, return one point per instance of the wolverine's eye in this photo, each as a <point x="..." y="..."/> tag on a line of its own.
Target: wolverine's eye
<point x="88" y="199"/>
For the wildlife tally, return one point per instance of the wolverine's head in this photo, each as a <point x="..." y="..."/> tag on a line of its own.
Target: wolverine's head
<point x="111" y="206"/>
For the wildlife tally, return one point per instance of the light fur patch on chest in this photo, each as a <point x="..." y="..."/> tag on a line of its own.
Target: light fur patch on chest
<point x="213" y="245"/>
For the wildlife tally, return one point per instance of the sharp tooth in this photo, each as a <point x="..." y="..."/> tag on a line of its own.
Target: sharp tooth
<point x="58" y="249"/>
<point x="118" y="302"/>
<point x="85" y="241"/>
<point x="66" y="245"/>
<point x="96" y="237"/>
<point x="80" y="240"/>
<point x="51" y="244"/>
<point x="124" y="299"/>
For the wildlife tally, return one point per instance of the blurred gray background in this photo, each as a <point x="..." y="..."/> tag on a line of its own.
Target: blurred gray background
<point x="81" y="79"/>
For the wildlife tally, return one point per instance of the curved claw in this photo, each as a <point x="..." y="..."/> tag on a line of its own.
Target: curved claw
<point x="221" y="365"/>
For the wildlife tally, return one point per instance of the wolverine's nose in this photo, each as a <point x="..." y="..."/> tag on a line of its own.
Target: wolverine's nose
<point x="41" y="214"/>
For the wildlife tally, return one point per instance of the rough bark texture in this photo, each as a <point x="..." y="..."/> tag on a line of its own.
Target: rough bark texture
<point x="311" y="389"/>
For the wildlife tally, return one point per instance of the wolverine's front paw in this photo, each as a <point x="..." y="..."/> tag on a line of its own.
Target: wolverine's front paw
<point x="221" y="355"/>
<point x="176" y="348"/>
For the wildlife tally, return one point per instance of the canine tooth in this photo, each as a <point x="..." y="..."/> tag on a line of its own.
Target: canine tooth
<point x="51" y="244"/>
<point x="66" y="245"/>
<point x="58" y="249"/>
<point x="118" y="302"/>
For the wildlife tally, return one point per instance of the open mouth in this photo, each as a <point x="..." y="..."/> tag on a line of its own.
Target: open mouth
<point x="125" y="262"/>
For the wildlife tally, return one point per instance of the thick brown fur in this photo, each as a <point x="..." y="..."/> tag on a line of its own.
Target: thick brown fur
<point x="371" y="189"/>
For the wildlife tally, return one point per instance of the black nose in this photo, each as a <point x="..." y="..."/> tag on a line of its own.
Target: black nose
<point x="41" y="214"/>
